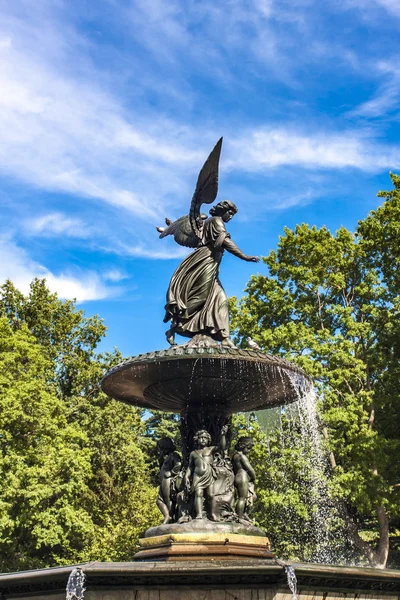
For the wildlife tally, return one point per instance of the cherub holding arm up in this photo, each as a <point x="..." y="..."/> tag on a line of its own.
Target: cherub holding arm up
<point x="200" y="474"/>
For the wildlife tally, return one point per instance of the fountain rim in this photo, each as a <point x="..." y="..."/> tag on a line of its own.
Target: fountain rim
<point x="131" y="382"/>
<point x="182" y="352"/>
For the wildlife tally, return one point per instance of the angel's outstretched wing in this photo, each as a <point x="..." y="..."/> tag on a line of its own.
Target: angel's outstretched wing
<point x="206" y="188"/>
<point x="187" y="230"/>
<point x="182" y="232"/>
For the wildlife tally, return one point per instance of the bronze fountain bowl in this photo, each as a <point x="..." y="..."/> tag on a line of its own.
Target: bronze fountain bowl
<point x="207" y="379"/>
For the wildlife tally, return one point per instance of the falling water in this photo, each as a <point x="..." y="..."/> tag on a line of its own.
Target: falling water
<point x="298" y="427"/>
<point x="292" y="581"/>
<point x="76" y="585"/>
<point x="322" y="509"/>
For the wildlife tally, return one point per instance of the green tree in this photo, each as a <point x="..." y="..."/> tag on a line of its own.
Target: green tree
<point x="331" y="304"/>
<point x="76" y="485"/>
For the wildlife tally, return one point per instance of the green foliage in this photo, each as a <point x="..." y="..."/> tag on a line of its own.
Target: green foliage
<point x="76" y="486"/>
<point x="331" y="304"/>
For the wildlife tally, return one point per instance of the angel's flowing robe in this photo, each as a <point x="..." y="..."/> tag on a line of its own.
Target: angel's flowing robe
<point x="196" y="301"/>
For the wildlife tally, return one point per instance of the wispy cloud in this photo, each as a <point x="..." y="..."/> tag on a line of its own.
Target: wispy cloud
<point x="141" y="251"/>
<point x="115" y="275"/>
<point x="21" y="269"/>
<point x="66" y="130"/>
<point x="55" y="224"/>
<point x="291" y="200"/>
<point x="71" y="134"/>
<point x="387" y="96"/>
<point x="272" y="147"/>
<point x="391" y="6"/>
<point x="125" y="128"/>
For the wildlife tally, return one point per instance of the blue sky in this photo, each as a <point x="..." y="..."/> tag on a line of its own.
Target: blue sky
<point x="108" y="110"/>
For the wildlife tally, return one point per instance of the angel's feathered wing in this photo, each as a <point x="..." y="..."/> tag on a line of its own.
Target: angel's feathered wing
<point x="206" y="188"/>
<point x="182" y="232"/>
<point x="187" y="230"/>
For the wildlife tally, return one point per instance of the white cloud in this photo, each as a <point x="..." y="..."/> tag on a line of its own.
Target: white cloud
<point x="56" y="223"/>
<point x="142" y="251"/>
<point x="70" y="134"/>
<point x="392" y="6"/>
<point x="17" y="266"/>
<point x="387" y="95"/>
<point x="115" y="275"/>
<point x="67" y="126"/>
<point x="300" y="199"/>
<point x="63" y="129"/>
<point x="275" y="147"/>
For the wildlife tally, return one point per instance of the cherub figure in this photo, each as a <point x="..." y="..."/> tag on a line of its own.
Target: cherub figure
<point x="170" y="465"/>
<point x="244" y="476"/>
<point x="200" y="474"/>
<point x="197" y="305"/>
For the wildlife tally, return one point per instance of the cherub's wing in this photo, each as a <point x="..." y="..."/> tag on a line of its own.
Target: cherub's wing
<point x="182" y="232"/>
<point x="206" y="188"/>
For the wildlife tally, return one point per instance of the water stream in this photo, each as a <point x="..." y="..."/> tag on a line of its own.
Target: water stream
<point x="295" y="429"/>
<point x="292" y="581"/>
<point x="76" y="585"/>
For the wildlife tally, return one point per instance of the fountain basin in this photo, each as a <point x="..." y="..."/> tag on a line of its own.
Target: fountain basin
<point x="187" y="378"/>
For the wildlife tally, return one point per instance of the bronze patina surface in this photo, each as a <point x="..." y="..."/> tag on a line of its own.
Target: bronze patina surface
<point x="228" y="379"/>
<point x="196" y="304"/>
<point x="202" y="487"/>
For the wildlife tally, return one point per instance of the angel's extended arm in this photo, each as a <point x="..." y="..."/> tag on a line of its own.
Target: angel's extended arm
<point x="233" y="249"/>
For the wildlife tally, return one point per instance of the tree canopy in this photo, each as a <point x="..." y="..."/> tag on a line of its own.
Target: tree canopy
<point x="330" y="303"/>
<point x="75" y="483"/>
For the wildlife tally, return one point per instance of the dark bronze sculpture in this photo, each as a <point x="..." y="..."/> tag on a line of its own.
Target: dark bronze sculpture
<point x="205" y="380"/>
<point x="201" y="475"/>
<point x="170" y="466"/>
<point x="206" y="487"/>
<point x="245" y="476"/>
<point x="197" y="305"/>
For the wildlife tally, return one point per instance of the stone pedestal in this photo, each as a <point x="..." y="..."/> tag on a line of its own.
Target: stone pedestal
<point x="203" y="546"/>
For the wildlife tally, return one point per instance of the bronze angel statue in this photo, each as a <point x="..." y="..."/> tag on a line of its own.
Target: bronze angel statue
<point x="197" y="305"/>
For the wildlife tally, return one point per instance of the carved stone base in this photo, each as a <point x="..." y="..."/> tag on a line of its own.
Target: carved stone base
<point x="203" y="546"/>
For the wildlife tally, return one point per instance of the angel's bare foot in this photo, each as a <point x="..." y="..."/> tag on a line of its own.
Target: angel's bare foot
<point x="168" y="221"/>
<point x="227" y="343"/>
<point x="199" y="518"/>
<point x="213" y="517"/>
<point x="170" y="335"/>
<point x="160" y="229"/>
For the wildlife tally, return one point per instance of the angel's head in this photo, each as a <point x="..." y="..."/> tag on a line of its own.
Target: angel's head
<point x="225" y="209"/>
